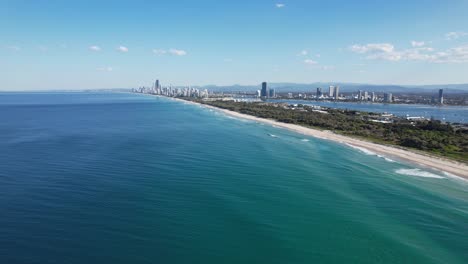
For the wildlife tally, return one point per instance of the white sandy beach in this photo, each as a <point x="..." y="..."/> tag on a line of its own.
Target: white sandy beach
<point x="437" y="163"/>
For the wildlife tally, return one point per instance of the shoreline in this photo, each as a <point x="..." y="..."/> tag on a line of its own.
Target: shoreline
<point x="440" y="164"/>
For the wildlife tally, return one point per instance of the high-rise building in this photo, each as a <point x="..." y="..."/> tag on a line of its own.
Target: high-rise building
<point x="318" y="94"/>
<point x="360" y="95"/>
<point x="337" y="92"/>
<point x="272" y="93"/>
<point x="290" y="95"/>
<point x="331" y="91"/>
<point x="388" y="97"/>
<point x="156" y="84"/>
<point x="441" y="96"/>
<point x="264" y="92"/>
<point x="373" y="97"/>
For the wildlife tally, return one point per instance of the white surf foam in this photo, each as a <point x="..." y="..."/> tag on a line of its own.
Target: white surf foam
<point x="305" y="140"/>
<point x="274" y="136"/>
<point x="454" y="177"/>
<point x="364" y="150"/>
<point x="368" y="152"/>
<point x="418" y="173"/>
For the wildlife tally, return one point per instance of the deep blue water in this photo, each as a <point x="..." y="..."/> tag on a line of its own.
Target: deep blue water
<point x="127" y="178"/>
<point x="454" y="114"/>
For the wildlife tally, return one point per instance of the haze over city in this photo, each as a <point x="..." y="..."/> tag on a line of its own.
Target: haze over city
<point x="87" y="45"/>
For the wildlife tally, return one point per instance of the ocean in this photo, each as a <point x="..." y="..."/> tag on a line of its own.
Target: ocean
<point x="131" y="178"/>
<point x="448" y="113"/>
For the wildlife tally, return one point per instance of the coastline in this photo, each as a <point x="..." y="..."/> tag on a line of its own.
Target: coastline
<point x="437" y="163"/>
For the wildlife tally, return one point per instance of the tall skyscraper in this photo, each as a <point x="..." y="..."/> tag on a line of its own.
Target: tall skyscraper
<point x="331" y="91"/>
<point x="337" y="92"/>
<point x="272" y="93"/>
<point x="156" y="84"/>
<point x="318" y="94"/>
<point x="388" y="97"/>
<point x="264" y="92"/>
<point x="441" y="96"/>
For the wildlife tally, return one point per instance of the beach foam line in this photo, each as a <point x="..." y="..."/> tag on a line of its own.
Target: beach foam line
<point x="418" y="173"/>
<point x="364" y="150"/>
<point x="455" y="177"/>
<point x="370" y="153"/>
<point x="305" y="140"/>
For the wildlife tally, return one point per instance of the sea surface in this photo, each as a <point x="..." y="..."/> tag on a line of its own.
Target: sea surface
<point x="453" y="114"/>
<point x="129" y="178"/>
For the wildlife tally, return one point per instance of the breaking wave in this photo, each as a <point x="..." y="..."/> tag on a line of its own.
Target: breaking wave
<point x="418" y="173"/>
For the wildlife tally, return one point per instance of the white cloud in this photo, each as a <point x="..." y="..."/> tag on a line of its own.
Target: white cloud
<point x="13" y="48"/>
<point x="415" y="44"/>
<point x="106" y="69"/>
<point x="303" y="52"/>
<point x="177" y="52"/>
<point x="318" y="55"/>
<point x="388" y="52"/>
<point x="453" y="55"/>
<point x="280" y="5"/>
<point x="122" y="49"/>
<point x="159" y="51"/>
<point x="310" y="62"/>
<point x="94" y="48"/>
<point x="327" y="68"/>
<point x="373" y="48"/>
<point x="455" y="35"/>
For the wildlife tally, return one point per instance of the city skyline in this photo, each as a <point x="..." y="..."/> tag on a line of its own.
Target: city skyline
<point x="89" y="45"/>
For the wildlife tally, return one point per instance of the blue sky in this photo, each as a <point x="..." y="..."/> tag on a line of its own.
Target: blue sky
<point x="110" y="44"/>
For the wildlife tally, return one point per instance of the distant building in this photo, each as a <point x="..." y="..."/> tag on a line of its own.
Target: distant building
<point x="388" y="97"/>
<point x="272" y="93"/>
<point x="264" y="92"/>
<point x="318" y="94"/>
<point x="331" y="91"/>
<point x="156" y="84"/>
<point x="360" y="95"/>
<point x="441" y="96"/>
<point x="259" y="93"/>
<point x="290" y="95"/>
<point x="373" y="97"/>
<point x="337" y="92"/>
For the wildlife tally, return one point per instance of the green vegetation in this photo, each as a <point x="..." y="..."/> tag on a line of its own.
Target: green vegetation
<point x="430" y="136"/>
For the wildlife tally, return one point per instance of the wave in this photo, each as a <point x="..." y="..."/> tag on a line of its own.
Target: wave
<point x="274" y="136"/>
<point x="368" y="152"/>
<point x="305" y="140"/>
<point x="418" y="173"/>
<point x="364" y="150"/>
<point x="454" y="177"/>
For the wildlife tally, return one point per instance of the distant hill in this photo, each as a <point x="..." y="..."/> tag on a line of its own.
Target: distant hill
<point x="344" y="87"/>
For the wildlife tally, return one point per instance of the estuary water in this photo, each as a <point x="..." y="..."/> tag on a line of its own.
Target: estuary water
<point x="453" y="114"/>
<point x="128" y="178"/>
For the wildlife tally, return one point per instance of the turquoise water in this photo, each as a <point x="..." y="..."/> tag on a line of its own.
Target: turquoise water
<point x="454" y="114"/>
<point x="125" y="178"/>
